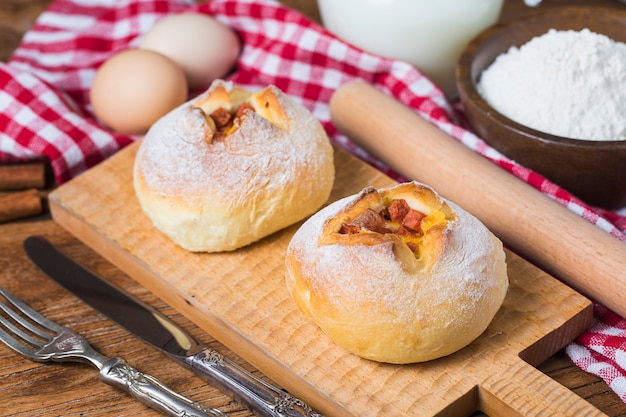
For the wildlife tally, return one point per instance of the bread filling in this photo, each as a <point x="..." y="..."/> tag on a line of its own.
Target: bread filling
<point x="396" y="217"/>
<point x="224" y="123"/>
<point x="225" y="107"/>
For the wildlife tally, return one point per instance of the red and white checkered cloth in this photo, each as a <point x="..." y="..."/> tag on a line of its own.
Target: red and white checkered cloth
<point x="45" y="111"/>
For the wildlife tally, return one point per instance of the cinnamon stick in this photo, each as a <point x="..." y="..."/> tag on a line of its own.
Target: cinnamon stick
<point x="20" y="204"/>
<point x="22" y="176"/>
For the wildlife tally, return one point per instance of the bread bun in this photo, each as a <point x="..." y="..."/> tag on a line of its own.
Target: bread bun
<point x="231" y="167"/>
<point x="395" y="282"/>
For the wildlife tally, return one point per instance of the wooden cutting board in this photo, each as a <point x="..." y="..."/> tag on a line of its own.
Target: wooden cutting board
<point x="240" y="298"/>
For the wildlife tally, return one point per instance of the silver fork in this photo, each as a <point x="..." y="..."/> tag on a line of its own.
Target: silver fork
<point x="34" y="336"/>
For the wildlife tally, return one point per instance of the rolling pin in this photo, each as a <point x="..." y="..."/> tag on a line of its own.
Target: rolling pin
<point x="530" y="223"/>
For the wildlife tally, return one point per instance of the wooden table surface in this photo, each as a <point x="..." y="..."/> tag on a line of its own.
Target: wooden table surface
<point x="32" y="389"/>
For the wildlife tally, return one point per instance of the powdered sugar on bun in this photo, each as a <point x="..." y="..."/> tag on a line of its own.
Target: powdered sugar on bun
<point x="217" y="191"/>
<point x="390" y="301"/>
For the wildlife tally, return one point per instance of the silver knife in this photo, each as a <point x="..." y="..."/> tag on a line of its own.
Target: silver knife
<point x="148" y="324"/>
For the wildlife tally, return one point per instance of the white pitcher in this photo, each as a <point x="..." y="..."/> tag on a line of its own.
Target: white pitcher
<point x="429" y="34"/>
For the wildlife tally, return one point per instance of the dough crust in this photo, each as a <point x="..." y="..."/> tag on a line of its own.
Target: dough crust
<point x="213" y="189"/>
<point x="391" y="298"/>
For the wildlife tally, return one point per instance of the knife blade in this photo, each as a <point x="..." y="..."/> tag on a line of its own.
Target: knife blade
<point x="150" y="325"/>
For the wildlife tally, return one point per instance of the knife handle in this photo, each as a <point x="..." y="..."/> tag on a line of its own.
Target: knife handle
<point x="151" y="392"/>
<point x="261" y="398"/>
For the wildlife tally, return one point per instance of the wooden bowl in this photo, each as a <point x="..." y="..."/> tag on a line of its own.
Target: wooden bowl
<point x="594" y="171"/>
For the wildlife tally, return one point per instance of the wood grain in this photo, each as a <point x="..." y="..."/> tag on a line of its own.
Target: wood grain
<point x="240" y="298"/>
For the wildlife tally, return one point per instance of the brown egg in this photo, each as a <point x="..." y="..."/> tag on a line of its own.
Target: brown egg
<point x="134" y="88"/>
<point x="205" y="48"/>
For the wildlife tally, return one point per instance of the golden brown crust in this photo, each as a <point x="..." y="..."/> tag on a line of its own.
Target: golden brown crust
<point x="375" y="296"/>
<point x="261" y="176"/>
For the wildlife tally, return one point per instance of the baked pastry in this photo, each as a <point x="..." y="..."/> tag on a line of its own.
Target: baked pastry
<point x="231" y="167"/>
<point x="397" y="275"/>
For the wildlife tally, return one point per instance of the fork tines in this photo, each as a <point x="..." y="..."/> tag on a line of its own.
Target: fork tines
<point x="26" y="332"/>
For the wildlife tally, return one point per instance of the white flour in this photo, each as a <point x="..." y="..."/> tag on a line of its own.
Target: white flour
<point x="567" y="83"/>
